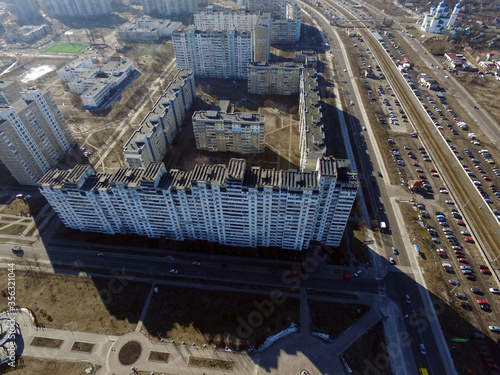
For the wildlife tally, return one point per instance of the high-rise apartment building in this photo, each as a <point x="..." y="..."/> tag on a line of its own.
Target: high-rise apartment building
<point x="78" y="8"/>
<point x="219" y="131"/>
<point x="217" y="54"/>
<point x="170" y="7"/>
<point x="10" y="91"/>
<point x="231" y="205"/>
<point x="151" y="141"/>
<point x="26" y="11"/>
<point x="212" y="19"/>
<point x="215" y="19"/>
<point x="277" y="79"/>
<point x="311" y="126"/>
<point x="33" y="136"/>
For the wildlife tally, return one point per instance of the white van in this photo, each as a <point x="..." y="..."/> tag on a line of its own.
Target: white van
<point x="484" y="152"/>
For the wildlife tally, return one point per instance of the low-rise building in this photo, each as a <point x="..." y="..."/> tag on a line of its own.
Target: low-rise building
<point x="94" y="84"/>
<point x="147" y="29"/>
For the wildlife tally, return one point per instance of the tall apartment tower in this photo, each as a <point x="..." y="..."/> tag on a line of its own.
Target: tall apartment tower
<point x="26" y="11"/>
<point x="261" y="43"/>
<point x="151" y="141"/>
<point x="216" y="54"/>
<point x="33" y="136"/>
<point x="79" y="8"/>
<point x="219" y="131"/>
<point x="10" y="91"/>
<point x="171" y="7"/>
<point x="232" y="205"/>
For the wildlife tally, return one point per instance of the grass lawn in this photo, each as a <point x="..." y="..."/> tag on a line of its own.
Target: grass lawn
<point x="79" y="303"/>
<point x="214" y="316"/>
<point x="333" y="318"/>
<point x="67" y="48"/>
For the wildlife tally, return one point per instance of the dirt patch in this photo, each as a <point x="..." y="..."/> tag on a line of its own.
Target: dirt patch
<point x="79" y="303"/>
<point x="218" y="364"/>
<point x="324" y="321"/>
<point x="197" y="316"/>
<point x="83" y="347"/>
<point x="30" y="366"/>
<point x="46" y="342"/>
<point x="158" y="356"/>
<point x="130" y="353"/>
<point x="369" y="352"/>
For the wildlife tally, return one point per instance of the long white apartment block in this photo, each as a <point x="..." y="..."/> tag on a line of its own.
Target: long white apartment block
<point x="232" y="205"/>
<point x="216" y="54"/>
<point x="218" y="131"/>
<point x="151" y="141"/>
<point x="33" y="135"/>
<point x="311" y="125"/>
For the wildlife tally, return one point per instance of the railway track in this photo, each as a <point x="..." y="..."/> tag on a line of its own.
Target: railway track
<point x="481" y="222"/>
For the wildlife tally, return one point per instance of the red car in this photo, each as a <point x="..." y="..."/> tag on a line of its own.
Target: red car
<point x="461" y="253"/>
<point x="422" y="177"/>
<point x="486" y="271"/>
<point x="346" y="276"/>
<point x="487" y="178"/>
<point x="432" y="170"/>
<point x="462" y="260"/>
<point x="461" y="223"/>
<point x="469" y="239"/>
<point x="482" y="302"/>
<point x="494" y="366"/>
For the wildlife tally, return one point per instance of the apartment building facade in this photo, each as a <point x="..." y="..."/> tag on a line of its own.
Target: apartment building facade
<point x="79" y="8"/>
<point x="33" y="136"/>
<point x="219" y="131"/>
<point x="275" y="79"/>
<point x="311" y="126"/>
<point x="232" y="205"/>
<point x="171" y="7"/>
<point x="151" y="141"/>
<point x="10" y="91"/>
<point x="215" y="54"/>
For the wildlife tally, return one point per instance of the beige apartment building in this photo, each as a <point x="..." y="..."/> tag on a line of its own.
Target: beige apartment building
<point x="276" y="79"/>
<point x="220" y="131"/>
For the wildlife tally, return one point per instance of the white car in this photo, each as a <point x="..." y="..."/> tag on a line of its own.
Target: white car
<point x="494" y="328"/>
<point x="391" y="260"/>
<point x="449" y="201"/>
<point x="465" y="233"/>
<point x="408" y="299"/>
<point x="422" y="349"/>
<point x="345" y="70"/>
<point x="443" y="191"/>
<point x="495" y="290"/>
<point x="357" y="273"/>
<point x="173" y="270"/>
<point x="195" y="263"/>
